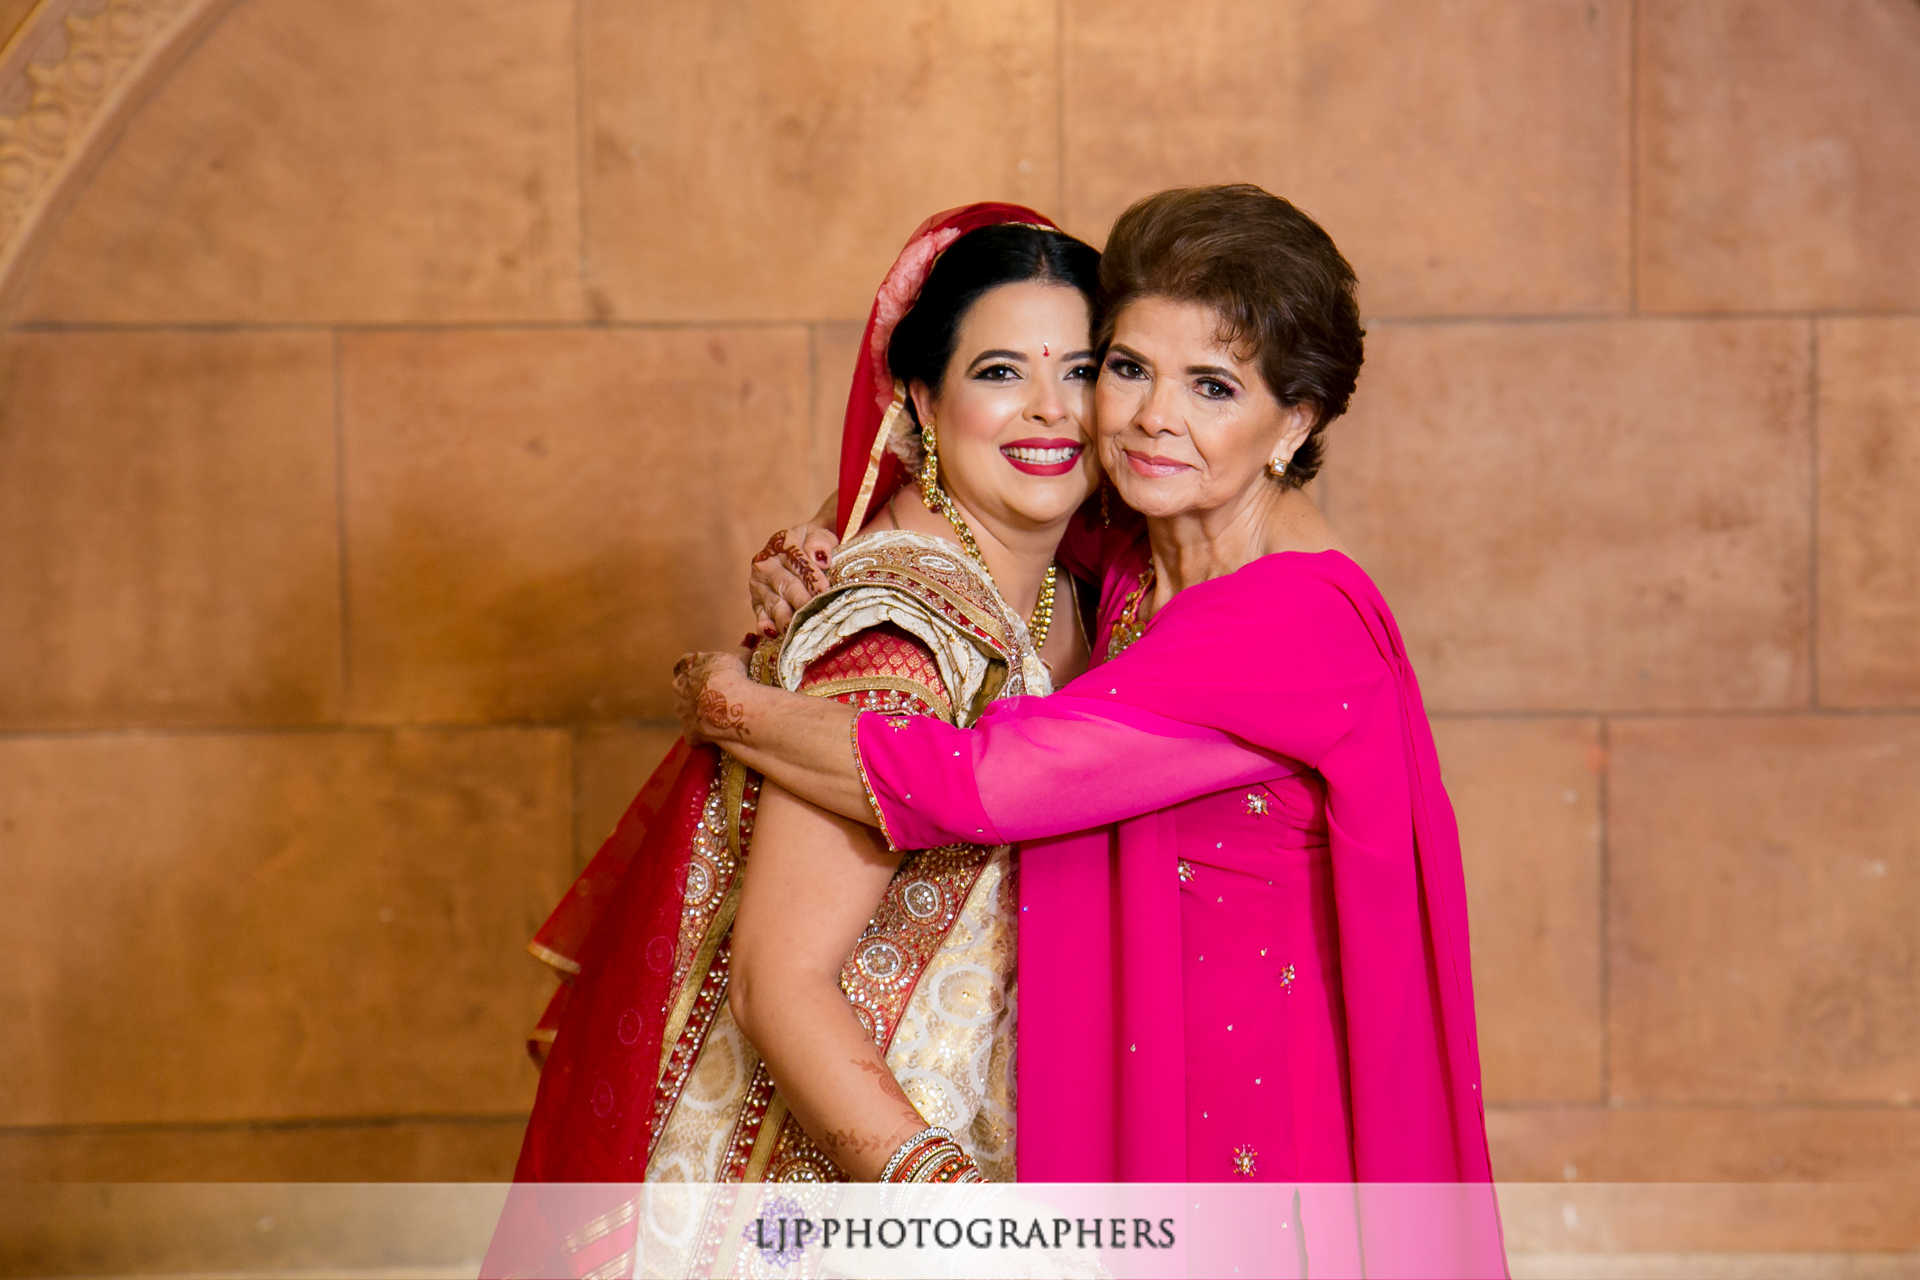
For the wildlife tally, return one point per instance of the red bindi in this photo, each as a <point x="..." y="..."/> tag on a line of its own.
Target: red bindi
<point x="1043" y="349"/>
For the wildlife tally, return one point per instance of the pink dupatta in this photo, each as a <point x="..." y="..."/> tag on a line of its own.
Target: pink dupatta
<point x="1293" y="656"/>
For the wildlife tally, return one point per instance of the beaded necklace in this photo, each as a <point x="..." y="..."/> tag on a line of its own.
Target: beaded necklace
<point x="1042" y="620"/>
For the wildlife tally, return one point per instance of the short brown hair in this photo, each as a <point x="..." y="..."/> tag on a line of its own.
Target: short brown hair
<point x="1272" y="273"/>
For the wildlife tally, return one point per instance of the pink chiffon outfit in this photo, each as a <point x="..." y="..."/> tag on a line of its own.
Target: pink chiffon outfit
<point x="1243" y="935"/>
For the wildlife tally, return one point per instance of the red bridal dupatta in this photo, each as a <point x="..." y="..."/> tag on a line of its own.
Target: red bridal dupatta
<point x="614" y="938"/>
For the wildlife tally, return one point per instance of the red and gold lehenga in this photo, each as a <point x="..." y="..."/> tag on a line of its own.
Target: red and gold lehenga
<point x="645" y="1076"/>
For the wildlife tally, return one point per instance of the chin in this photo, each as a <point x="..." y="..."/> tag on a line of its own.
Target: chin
<point x="1155" y="498"/>
<point x="1046" y="511"/>
<point x="1042" y="500"/>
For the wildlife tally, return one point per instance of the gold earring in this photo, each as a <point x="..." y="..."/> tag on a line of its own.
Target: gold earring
<point x="1277" y="468"/>
<point x="930" y="468"/>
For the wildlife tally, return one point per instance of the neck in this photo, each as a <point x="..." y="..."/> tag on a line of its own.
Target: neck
<point x="1193" y="546"/>
<point x="1016" y="556"/>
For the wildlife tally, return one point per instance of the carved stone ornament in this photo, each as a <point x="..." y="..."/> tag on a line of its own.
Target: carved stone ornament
<point x="70" y="76"/>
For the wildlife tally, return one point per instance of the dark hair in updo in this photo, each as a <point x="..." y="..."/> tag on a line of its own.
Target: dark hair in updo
<point x="982" y="259"/>
<point x="1284" y="294"/>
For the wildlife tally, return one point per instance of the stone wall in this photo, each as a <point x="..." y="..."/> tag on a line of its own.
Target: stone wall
<point x="413" y="381"/>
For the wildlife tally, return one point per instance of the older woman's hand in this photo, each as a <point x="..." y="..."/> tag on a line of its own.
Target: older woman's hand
<point x="796" y="741"/>
<point x="789" y="571"/>
<point x="701" y="682"/>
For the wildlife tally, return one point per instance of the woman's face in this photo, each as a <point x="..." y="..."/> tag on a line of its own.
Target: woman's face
<point x="1185" y="424"/>
<point x="1014" y="415"/>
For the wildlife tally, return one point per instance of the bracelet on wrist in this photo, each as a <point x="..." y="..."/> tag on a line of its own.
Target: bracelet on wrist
<point x="931" y="1156"/>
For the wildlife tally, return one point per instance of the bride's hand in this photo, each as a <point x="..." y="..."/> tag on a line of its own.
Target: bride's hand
<point x="700" y="685"/>
<point x="788" y="572"/>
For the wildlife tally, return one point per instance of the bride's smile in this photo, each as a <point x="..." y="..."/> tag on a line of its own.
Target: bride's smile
<point x="1043" y="457"/>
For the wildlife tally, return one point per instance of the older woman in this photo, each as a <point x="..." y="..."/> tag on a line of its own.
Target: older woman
<point x="1243" y="940"/>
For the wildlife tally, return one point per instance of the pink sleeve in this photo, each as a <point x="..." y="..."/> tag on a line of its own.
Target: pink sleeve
<point x="1037" y="767"/>
<point x="1226" y="687"/>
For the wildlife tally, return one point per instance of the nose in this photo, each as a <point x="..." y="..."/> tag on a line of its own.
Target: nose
<point x="1158" y="415"/>
<point x="1048" y="406"/>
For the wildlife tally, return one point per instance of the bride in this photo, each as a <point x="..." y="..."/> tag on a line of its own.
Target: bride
<point x="755" y="989"/>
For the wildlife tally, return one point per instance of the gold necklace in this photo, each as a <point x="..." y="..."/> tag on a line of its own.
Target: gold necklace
<point x="1042" y="620"/>
<point x="1125" y="628"/>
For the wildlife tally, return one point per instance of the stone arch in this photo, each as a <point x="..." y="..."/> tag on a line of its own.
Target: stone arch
<point x="71" y="75"/>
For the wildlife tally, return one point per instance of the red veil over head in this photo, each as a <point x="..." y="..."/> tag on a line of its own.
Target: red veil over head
<point x="612" y="938"/>
<point x="869" y="474"/>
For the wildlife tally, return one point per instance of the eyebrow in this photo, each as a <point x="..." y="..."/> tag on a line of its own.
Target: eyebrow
<point x="1193" y="370"/>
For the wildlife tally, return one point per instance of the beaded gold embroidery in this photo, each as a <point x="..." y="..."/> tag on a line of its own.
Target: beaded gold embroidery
<point x="937" y="593"/>
<point x="1245" y="1160"/>
<point x="932" y="576"/>
<point x="873" y="801"/>
<point x="932" y="977"/>
<point x="883" y="669"/>
<point x="1127" y="628"/>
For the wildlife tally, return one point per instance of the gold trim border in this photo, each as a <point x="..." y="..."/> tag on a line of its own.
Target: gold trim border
<point x="717" y="931"/>
<point x="548" y="956"/>
<point x="766" y="1139"/>
<point x="873" y="802"/>
<point x="873" y="684"/>
<point x="889" y="423"/>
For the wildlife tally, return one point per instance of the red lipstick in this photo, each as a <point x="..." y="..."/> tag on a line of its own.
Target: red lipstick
<point x="1043" y="456"/>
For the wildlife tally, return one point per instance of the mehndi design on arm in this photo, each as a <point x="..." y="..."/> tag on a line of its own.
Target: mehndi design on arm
<point x="887" y="1082"/>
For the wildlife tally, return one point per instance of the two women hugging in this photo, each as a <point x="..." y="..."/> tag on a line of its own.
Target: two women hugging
<point x="1076" y="732"/>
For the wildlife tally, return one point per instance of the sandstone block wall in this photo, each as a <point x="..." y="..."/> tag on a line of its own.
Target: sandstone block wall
<point x="412" y="383"/>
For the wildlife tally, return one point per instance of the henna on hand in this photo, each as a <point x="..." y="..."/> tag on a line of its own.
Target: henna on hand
<point x="797" y="564"/>
<point x="704" y="711"/>
<point x="791" y="569"/>
<point x="716" y="713"/>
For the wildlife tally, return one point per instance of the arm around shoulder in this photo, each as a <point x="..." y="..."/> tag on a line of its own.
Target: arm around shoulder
<point x="803" y="744"/>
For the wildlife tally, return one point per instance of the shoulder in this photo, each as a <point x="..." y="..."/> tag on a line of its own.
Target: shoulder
<point x="927" y="570"/>
<point x="881" y="668"/>
<point x="904" y="613"/>
<point x="1308" y="605"/>
<point x="1311" y="575"/>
